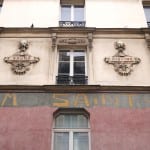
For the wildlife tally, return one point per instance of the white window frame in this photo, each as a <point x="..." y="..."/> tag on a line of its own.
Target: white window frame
<point x="71" y="73"/>
<point x="71" y="131"/>
<point x="72" y="11"/>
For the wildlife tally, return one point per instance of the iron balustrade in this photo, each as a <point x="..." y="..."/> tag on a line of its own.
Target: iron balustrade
<point x="148" y="23"/>
<point x="72" y="80"/>
<point x="72" y="23"/>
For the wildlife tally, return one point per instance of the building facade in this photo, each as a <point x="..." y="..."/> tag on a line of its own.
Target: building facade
<point x="74" y="74"/>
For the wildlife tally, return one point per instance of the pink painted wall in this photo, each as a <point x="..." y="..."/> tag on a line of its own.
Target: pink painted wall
<point x="111" y="128"/>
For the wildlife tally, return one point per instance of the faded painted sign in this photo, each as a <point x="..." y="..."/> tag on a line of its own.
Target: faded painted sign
<point x="115" y="100"/>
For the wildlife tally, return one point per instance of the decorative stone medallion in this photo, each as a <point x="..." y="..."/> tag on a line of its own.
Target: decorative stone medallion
<point x="21" y="60"/>
<point x="123" y="64"/>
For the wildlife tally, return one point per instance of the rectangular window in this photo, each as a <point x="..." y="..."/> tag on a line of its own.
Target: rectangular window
<point x="147" y="14"/>
<point x="72" y="67"/>
<point x="72" y="14"/>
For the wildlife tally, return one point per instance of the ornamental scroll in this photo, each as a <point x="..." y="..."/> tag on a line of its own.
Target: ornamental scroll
<point x="123" y="64"/>
<point x="21" y="60"/>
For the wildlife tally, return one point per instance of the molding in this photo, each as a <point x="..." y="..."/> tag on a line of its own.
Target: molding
<point x="73" y="89"/>
<point x="76" y="30"/>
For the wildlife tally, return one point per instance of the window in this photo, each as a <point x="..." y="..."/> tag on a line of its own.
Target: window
<point x="72" y="67"/>
<point x="72" y="13"/>
<point x="71" y="130"/>
<point x="147" y="14"/>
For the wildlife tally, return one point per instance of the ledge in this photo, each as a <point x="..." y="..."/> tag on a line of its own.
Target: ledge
<point x="73" y="88"/>
<point x="75" y="30"/>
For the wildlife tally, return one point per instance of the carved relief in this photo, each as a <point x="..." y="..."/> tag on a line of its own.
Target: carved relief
<point x="147" y="37"/>
<point x="72" y="41"/>
<point x="21" y="60"/>
<point x="123" y="64"/>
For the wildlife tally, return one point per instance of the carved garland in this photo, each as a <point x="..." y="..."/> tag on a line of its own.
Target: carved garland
<point x="123" y="64"/>
<point x="21" y="60"/>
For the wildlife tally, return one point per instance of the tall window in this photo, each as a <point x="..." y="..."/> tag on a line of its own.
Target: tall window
<point x="71" y="131"/>
<point x="147" y="14"/>
<point x="72" y="13"/>
<point x="72" y="67"/>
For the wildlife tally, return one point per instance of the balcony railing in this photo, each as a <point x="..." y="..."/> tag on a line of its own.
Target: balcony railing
<point x="72" y="80"/>
<point x="148" y="23"/>
<point x="72" y="23"/>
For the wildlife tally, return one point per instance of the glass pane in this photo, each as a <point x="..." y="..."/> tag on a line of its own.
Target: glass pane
<point x="61" y="141"/>
<point x="79" y="68"/>
<point x="147" y="13"/>
<point x="79" y="13"/>
<point x="79" y="56"/>
<point x="64" y="55"/>
<point x="63" y="68"/>
<point x="80" y="141"/>
<point x="65" y="13"/>
<point x="71" y="121"/>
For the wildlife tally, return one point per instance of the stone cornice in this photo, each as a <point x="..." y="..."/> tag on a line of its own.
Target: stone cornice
<point x="73" y="88"/>
<point x="76" y="30"/>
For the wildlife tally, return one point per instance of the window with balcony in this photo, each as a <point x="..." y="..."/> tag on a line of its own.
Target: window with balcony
<point x="72" y="67"/>
<point x="72" y="13"/>
<point x="71" y="130"/>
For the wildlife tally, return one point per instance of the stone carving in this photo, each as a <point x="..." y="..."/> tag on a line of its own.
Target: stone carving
<point x="72" y="41"/>
<point x="90" y="40"/>
<point x="21" y="60"/>
<point x="123" y="64"/>
<point x="54" y="39"/>
<point x="147" y="37"/>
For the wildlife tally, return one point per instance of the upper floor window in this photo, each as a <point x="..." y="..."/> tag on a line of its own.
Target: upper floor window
<point x="71" y="130"/>
<point x="72" y="67"/>
<point x="1" y="2"/>
<point x="72" y="13"/>
<point x="147" y="14"/>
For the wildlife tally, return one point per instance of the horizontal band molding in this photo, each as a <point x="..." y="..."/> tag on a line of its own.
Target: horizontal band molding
<point x="73" y="88"/>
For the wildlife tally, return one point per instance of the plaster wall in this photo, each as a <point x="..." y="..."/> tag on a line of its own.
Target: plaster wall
<point x="100" y="14"/>
<point x="111" y="128"/>
<point x="115" y="13"/>
<point x="23" y="13"/>
<point x="105" y="74"/>
<point x="99" y="72"/>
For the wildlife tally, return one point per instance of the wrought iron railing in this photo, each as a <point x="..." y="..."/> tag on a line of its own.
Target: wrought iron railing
<point x="72" y="80"/>
<point x="72" y="23"/>
<point x="148" y="23"/>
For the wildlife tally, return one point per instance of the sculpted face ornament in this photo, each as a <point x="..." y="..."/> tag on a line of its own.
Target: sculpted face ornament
<point x="21" y="60"/>
<point x="123" y="64"/>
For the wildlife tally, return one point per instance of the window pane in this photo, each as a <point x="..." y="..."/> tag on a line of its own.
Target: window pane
<point x="147" y="13"/>
<point x="61" y="141"/>
<point x="79" y="13"/>
<point x="79" y="68"/>
<point x="63" y="68"/>
<point x="80" y="141"/>
<point x="79" y="56"/>
<point x="71" y="121"/>
<point x="65" y="13"/>
<point x="64" y="55"/>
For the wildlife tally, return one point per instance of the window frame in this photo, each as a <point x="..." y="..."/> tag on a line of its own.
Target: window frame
<point x="146" y="4"/>
<point x="72" y="16"/>
<point x="71" y="68"/>
<point x="71" y="131"/>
